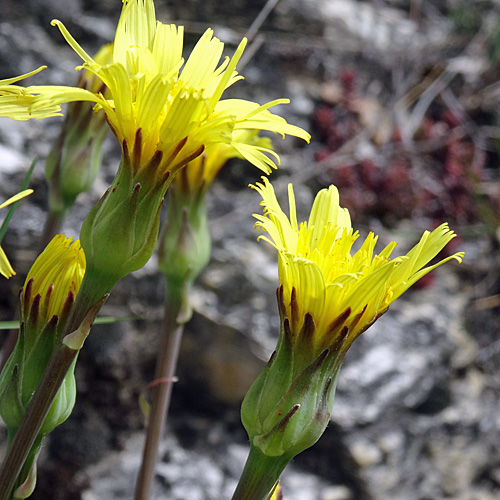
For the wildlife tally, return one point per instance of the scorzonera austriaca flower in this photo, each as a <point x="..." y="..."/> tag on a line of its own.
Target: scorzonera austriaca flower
<point x="165" y="112"/>
<point x="46" y="302"/>
<point x="328" y="296"/>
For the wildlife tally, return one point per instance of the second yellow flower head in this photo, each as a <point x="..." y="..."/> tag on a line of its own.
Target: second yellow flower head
<point x="328" y="296"/>
<point x="320" y="274"/>
<point x="57" y="271"/>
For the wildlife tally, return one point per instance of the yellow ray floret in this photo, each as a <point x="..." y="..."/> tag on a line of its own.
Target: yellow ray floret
<point x="200" y="173"/>
<point x="316" y="261"/>
<point x="151" y="89"/>
<point x="60" y="268"/>
<point x="16" y="102"/>
<point x="5" y="267"/>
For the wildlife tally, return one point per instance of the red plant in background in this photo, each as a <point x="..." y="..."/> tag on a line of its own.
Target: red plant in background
<point x="348" y="79"/>
<point x="392" y="188"/>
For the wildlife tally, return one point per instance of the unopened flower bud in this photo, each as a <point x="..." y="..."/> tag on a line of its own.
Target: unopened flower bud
<point x="119" y="234"/>
<point x="46" y="302"/>
<point x="73" y="163"/>
<point x="185" y="239"/>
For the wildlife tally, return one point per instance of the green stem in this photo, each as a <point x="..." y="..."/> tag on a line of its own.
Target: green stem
<point x="91" y="291"/>
<point x="259" y="475"/>
<point x="165" y="371"/>
<point x="53" y="225"/>
<point x="39" y="406"/>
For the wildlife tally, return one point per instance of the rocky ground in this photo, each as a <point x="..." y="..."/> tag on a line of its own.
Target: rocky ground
<point x="416" y="415"/>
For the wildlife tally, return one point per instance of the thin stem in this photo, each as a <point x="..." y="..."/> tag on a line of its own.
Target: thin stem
<point x="39" y="406"/>
<point x="165" y="371"/>
<point x="259" y="475"/>
<point x="8" y="347"/>
<point x="53" y="225"/>
<point x="46" y="391"/>
<point x="257" y="23"/>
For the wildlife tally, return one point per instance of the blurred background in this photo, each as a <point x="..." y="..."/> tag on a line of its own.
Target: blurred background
<point x="401" y="98"/>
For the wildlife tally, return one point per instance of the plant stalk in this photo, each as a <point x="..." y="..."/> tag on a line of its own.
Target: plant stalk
<point x="39" y="406"/>
<point x="52" y="226"/>
<point x="166" y="365"/>
<point x="259" y="475"/>
<point x="46" y="391"/>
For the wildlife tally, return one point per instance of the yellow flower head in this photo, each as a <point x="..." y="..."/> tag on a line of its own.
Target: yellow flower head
<point x="321" y="278"/>
<point x="16" y="102"/>
<point x="46" y="300"/>
<point x="159" y="102"/>
<point x="199" y="174"/>
<point x="57" y="271"/>
<point x="5" y="267"/>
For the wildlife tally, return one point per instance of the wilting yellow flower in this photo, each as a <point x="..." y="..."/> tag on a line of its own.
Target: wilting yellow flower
<point x="16" y="102"/>
<point x="321" y="277"/>
<point x="57" y="271"/>
<point x="5" y="267"/>
<point x="160" y="103"/>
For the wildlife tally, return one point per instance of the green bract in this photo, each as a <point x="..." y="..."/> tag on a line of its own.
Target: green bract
<point x="46" y="302"/>
<point x="119" y="234"/>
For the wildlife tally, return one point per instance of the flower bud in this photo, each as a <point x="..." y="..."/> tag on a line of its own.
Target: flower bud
<point x="119" y="234"/>
<point x="185" y="239"/>
<point x="73" y="163"/>
<point x="46" y="301"/>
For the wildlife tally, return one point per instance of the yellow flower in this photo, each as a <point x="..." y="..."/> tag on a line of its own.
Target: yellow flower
<point x="201" y="172"/>
<point x="328" y="296"/>
<point x="5" y="267"/>
<point x="57" y="271"/>
<point x="161" y="103"/>
<point x="320" y="275"/>
<point x="16" y="102"/>
<point x="88" y="80"/>
<point x="46" y="302"/>
<point x="185" y="243"/>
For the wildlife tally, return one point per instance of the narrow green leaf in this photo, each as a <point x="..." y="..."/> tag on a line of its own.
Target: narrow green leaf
<point x="12" y="209"/>
<point x="12" y="325"/>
